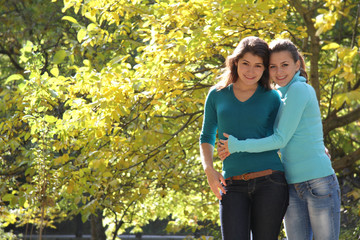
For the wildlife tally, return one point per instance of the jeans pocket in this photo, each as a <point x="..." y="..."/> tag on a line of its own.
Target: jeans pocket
<point x="278" y="178"/>
<point x="322" y="187"/>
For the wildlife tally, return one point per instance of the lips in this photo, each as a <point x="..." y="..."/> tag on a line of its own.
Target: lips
<point x="250" y="78"/>
<point x="281" y="78"/>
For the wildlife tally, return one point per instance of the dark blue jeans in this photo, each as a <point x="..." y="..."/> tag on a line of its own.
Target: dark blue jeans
<point x="255" y="206"/>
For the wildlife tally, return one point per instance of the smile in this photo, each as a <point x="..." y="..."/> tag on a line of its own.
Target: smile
<point x="251" y="78"/>
<point x="280" y="78"/>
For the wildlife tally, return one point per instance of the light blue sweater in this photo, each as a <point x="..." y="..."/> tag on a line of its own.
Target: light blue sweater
<point x="297" y="132"/>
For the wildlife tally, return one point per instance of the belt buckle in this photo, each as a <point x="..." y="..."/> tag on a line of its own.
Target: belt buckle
<point x="245" y="177"/>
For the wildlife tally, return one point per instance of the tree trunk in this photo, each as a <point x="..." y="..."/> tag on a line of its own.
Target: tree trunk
<point x="307" y="15"/>
<point x="97" y="228"/>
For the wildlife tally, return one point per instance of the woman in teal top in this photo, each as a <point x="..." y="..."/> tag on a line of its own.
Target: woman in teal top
<point x="314" y="206"/>
<point x="252" y="189"/>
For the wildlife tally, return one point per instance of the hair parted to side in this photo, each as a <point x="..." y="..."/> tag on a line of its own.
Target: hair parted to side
<point x="280" y="45"/>
<point x="255" y="46"/>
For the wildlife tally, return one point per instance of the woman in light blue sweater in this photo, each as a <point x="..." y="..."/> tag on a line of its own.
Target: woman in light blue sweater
<point x="314" y="205"/>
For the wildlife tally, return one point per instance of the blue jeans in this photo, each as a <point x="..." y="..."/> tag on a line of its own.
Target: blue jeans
<point x="257" y="205"/>
<point x="314" y="209"/>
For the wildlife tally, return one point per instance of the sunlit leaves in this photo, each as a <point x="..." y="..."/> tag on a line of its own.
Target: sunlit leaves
<point x="331" y="46"/>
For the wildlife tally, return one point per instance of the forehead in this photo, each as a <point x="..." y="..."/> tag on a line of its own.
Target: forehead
<point x="251" y="58"/>
<point x="278" y="57"/>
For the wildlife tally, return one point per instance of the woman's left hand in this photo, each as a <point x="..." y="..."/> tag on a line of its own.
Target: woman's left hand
<point x="223" y="149"/>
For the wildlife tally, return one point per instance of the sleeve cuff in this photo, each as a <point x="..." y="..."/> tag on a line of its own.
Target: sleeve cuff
<point x="233" y="144"/>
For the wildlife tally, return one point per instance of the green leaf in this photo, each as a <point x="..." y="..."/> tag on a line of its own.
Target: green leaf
<point x="59" y="56"/>
<point x="7" y="197"/>
<point x="14" y="77"/>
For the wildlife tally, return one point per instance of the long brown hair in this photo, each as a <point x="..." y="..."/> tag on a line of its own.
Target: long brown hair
<point x="280" y="45"/>
<point x="255" y="46"/>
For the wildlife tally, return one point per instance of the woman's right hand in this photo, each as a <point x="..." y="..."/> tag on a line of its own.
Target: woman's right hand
<point x="215" y="179"/>
<point x="223" y="148"/>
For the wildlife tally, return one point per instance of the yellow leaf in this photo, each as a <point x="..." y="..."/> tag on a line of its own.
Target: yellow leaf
<point x="330" y="46"/>
<point x="58" y="160"/>
<point x="98" y="133"/>
<point x="91" y="27"/>
<point x="144" y="191"/>
<point x="335" y="71"/>
<point x="81" y="35"/>
<point x="90" y="16"/>
<point x="348" y="76"/>
<point x="70" y="19"/>
<point x="70" y="187"/>
<point x="65" y="157"/>
<point x="107" y="174"/>
<point x="339" y="99"/>
<point x="355" y="194"/>
<point x="55" y="72"/>
<point x="177" y="92"/>
<point x="50" y="119"/>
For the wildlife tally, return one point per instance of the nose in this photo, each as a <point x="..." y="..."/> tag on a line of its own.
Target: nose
<point x="251" y="69"/>
<point x="276" y="70"/>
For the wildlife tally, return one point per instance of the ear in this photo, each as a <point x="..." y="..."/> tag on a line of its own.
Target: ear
<point x="297" y="65"/>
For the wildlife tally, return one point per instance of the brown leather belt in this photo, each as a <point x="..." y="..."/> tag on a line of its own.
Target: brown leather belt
<point x="248" y="176"/>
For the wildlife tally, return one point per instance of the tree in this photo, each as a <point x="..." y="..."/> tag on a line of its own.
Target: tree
<point x="101" y="112"/>
<point x="332" y="27"/>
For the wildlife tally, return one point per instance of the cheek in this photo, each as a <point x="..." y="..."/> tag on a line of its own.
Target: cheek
<point x="271" y="73"/>
<point x="260" y="71"/>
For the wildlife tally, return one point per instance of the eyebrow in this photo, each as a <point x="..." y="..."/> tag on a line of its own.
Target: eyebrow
<point x="280" y="63"/>
<point x="244" y="60"/>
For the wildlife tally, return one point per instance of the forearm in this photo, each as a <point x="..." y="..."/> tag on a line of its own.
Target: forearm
<point x="206" y="154"/>
<point x="272" y="142"/>
<point x="215" y="179"/>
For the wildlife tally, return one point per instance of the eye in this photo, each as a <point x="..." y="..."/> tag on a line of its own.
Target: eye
<point x="245" y="63"/>
<point x="271" y="67"/>
<point x="285" y="65"/>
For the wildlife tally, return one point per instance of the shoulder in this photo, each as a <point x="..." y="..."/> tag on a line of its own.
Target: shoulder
<point x="272" y="93"/>
<point x="302" y="92"/>
<point x="215" y="91"/>
<point x="216" y="95"/>
<point x="301" y="89"/>
<point x="300" y="86"/>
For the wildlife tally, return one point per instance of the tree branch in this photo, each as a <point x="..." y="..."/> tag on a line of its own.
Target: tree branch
<point x="334" y="121"/>
<point x="346" y="161"/>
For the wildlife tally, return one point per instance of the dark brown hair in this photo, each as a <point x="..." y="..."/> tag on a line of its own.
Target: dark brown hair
<point x="253" y="45"/>
<point x="280" y="45"/>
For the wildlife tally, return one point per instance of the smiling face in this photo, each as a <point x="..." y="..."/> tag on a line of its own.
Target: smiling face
<point x="250" y="68"/>
<point x="282" y="67"/>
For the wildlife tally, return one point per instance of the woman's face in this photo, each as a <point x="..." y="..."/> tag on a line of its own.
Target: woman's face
<point x="250" y="68"/>
<point x="282" y="67"/>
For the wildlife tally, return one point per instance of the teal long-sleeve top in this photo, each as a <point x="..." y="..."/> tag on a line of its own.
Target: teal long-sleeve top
<point x="254" y="118"/>
<point x="297" y="132"/>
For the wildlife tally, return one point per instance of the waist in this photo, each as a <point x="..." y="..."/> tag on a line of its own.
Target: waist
<point x="252" y="175"/>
